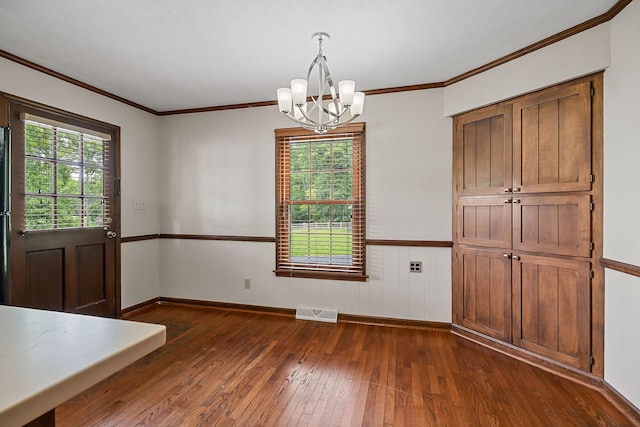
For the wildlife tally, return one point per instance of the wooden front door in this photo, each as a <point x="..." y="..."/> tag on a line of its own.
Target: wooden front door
<point x="64" y="219"/>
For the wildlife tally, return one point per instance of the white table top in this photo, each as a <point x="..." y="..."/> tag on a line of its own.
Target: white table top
<point x="48" y="357"/>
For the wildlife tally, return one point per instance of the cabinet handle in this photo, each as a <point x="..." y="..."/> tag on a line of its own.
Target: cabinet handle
<point x="507" y="256"/>
<point x="515" y="257"/>
<point x="507" y="200"/>
<point x="507" y="190"/>
<point x="516" y="190"/>
<point x="516" y="200"/>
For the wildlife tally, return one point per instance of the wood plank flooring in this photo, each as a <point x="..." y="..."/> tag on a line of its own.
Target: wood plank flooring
<point x="224" y="367"/>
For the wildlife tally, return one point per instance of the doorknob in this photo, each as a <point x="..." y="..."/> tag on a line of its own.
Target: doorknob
<point x="111" y="234"/>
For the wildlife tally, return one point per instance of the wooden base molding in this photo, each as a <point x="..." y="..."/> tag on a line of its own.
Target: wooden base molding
<point x="621" y="402"/>
<point x="568" y="372"/>
<point x="519" y="353"/>
<point x="140" y="306"/>
<point x="346" y="318"/>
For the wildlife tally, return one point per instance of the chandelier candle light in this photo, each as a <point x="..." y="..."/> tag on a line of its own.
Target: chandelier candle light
<point x="292" y="102"/>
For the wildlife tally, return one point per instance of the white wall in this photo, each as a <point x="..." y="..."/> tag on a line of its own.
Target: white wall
<point x="139" y="164"/>
<point x="220" y="178"/>
<point x="579" y="55"/>
<point x="621" y="184"/>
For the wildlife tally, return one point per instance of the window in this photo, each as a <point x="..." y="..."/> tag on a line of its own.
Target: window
<point x="320" y="219"/>
<point x="65" y="172"/>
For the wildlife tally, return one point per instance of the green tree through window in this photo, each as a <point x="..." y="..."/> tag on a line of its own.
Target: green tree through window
<point x="321" y="203"/>
<point x="64" y="178"/>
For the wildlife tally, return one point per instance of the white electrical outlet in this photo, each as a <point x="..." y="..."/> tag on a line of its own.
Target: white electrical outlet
<point x="415" y="266"/>
<point x="139" y="204"/>
<point x="247" y="283"/>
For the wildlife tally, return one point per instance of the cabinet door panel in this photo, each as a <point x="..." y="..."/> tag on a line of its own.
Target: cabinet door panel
<point x="484" y="222"/>
<point x="485" y="306"/>
<point x="552" y="140"/>
<point x="553" y="224"/>
<point x="551" y="311"/>
<point x="484" y="140"/>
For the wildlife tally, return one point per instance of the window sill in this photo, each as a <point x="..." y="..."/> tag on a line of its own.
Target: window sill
<point x="326" y="275"/>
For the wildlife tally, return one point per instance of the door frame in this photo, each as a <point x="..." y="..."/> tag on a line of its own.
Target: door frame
<point x="8" y="100"/>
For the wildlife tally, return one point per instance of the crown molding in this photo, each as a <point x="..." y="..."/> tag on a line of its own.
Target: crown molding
<point x="601" y="19"/>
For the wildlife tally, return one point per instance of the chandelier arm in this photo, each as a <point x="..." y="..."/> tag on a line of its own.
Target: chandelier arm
<point x="349" y="120"/>
<point x="309" y="119"/>
<point x="325" y="80"/>
<point x="300" y="122"/>
<point x="328" y="78"/>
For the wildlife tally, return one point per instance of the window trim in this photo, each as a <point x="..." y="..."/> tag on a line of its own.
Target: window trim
<point x="285" y="268"/>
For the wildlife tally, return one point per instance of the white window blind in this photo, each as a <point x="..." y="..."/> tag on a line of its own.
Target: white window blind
<point x="321" y="203"/>
<point x="66" y="175"/>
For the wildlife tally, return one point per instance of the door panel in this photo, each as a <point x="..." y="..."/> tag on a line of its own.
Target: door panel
<point x="45" y="277"/>
<point x="553" y="224"/>
<point x="484" y="139"/>
<point x="552" y="140"/>
<point x="90" y="265"/>
<point x="551" y="312"/>
<point x="484" y="222"/>
<point x="486" y="292"/>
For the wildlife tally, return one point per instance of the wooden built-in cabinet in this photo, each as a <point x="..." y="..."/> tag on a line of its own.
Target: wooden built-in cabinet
<point x="524" y="225"/>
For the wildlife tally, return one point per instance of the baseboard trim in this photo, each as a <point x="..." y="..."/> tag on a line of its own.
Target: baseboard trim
<point x="140" y="306"/>
<point x="584" y="378"/>
<point x="568" y="372"/>
<point x="228" y="306"/>
<point x="393" y="323"/>
<point x="345" y="318"/>
<point x="619" y="401"/>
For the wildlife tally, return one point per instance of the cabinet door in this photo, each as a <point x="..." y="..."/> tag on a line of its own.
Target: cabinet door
<point x="485" y="286"/>
<point x="484" y="222"/>
<point x="483" y="147"/>
<point x="552" y="306"/>
<point x="553" y="224"/>
<point x="552" y="140"/>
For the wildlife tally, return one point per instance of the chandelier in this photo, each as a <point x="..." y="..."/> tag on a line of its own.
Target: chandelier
<point x="321" y="116"/>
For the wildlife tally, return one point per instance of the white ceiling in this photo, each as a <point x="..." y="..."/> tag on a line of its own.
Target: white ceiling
<point x="177" y="54"/>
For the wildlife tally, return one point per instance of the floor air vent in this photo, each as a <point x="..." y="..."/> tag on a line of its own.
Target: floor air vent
<point x="317" y="314"/>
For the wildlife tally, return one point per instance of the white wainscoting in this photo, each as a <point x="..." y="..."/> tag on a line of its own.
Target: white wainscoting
<point x="216" y="271"/>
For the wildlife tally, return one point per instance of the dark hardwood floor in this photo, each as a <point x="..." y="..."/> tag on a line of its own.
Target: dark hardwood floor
<point x="225" y="367"/>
